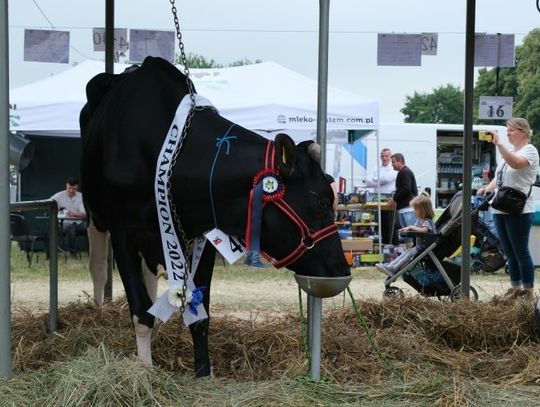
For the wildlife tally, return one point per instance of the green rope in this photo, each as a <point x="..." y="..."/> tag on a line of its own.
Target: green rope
<point x="304" y="328"/>
<point x="393" y="369"/>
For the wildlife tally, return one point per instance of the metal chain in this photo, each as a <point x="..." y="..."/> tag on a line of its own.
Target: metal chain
<point x="188" y="244"/>
<point x="183" y="53"/>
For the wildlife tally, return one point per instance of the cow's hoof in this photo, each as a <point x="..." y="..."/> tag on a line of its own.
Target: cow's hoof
<point x="204" y="372"/>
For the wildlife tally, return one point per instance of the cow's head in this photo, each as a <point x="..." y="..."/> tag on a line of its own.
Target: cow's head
<point x="310" y="197"/>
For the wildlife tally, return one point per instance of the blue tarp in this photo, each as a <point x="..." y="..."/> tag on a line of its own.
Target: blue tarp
<point x="358" y="151"/>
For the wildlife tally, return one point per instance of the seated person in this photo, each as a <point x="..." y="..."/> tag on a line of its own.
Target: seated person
<point x="70" y="206"/>
<point x="423" y="211"/>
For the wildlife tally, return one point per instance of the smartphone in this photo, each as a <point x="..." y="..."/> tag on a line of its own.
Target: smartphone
<point x="485" y="135"/>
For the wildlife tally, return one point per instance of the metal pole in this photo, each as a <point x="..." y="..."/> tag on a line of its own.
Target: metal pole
<point x="315" y="340"/>
<point x="5" y="276"/>
<point x="109" y="36"/>
<point x="309" y="322"/>
<point x="467" y="148"/>
<point x="322" y="94"/>
<point x="53" y="267"/>
<point x="109" y="68"/>
<point x="52" y="210"/>
<point x="314" y="303"/>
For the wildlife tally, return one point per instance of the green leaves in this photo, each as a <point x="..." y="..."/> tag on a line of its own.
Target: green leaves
<point x="443" y="105"/>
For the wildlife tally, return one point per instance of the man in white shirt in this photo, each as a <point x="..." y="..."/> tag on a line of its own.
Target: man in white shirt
<point x="71" y="208"/>
<point x="386" y="175"/>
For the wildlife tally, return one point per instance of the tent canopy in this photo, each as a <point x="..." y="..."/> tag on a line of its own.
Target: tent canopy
<point x="266" y="97"/>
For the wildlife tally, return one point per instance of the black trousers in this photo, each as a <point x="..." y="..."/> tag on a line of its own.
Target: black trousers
<point x="71" y="231"/>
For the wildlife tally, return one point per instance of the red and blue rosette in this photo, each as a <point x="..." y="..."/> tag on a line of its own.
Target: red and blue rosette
<point x="267" y="187"/>
<point x="273" y="187"/>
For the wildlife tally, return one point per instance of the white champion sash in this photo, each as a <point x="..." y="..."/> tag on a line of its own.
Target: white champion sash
<point x="175" y="261"/>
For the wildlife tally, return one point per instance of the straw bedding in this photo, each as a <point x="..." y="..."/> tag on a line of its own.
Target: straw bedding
<point x="492" y="342"/>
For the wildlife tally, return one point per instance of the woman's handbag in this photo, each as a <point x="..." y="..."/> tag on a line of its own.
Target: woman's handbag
<point x="508" y="199"/>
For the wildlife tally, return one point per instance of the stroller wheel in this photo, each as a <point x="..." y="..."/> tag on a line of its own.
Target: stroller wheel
<point x="393" y="292"/>
<point x="477" y="267"/>
<point x="455" y="295"/>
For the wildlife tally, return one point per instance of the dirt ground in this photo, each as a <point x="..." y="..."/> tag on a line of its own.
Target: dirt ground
<point x="234" y="295"/>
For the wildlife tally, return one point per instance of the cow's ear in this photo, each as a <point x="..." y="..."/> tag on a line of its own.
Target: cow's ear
<point x="286" y="153"/>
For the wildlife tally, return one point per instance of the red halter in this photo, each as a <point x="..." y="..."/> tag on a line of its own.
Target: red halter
<point x="308" y="238"/>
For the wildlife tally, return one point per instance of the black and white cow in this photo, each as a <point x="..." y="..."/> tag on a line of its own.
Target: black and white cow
<point x="123" y="126"/>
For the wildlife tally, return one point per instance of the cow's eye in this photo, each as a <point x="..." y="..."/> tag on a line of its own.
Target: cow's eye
<point x="324" y="203"/>
<point x="321" y="202"/>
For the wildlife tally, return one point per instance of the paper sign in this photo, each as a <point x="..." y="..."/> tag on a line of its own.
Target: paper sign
<point x="143" y="43"/>
<point x="230" y="247"/>
<point x="494" y="50"/>
<point x="495" y="107"/>
<point x="120" y="39"/>
<point x="399" y="49"/>
<point x="46" y="46"/>
<point x="430" y="43"/>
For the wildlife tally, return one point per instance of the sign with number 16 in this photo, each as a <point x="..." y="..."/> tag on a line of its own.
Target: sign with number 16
<point x="495" y="107"/>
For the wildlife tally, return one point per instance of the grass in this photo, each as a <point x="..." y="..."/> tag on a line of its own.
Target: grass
<point x="77" y="269"/>
<point x="68" y="269"/>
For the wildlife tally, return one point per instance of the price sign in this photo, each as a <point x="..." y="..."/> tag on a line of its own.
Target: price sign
<point x="120" y="39"/>
<point x="495" y="107"/>
<point x="430" y="42"/>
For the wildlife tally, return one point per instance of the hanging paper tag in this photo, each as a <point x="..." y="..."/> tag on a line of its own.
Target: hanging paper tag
<point x="230" y="247"/>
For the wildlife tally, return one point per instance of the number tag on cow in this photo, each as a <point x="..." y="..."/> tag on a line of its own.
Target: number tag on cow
<point x="230" y="247"/>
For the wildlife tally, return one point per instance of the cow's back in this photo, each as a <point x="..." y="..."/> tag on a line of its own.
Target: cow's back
<point x="122" y="127"/>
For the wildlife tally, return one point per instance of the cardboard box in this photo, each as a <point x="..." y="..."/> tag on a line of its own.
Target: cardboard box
<point x="364" y="245"/>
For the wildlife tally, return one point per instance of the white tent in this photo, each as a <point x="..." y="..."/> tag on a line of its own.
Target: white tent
<point x="265" y="97"/>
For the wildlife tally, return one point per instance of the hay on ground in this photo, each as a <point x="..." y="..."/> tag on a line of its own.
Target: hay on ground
<point x="491" y="342"/>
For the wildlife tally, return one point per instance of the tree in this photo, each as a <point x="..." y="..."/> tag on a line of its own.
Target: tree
<point x="527" y="102"/>
<point x="199" y="61"/>
<point x="443" y="105"/>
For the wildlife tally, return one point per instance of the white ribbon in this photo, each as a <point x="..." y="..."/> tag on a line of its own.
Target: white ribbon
<point x="175" y="261"/>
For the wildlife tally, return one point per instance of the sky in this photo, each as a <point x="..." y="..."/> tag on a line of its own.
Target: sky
<point x="286" y="32"/>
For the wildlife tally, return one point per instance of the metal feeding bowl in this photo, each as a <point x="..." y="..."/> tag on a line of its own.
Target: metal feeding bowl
<point x="322" y="287"/>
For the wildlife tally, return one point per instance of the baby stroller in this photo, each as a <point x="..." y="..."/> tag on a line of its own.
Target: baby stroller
<point x="428" y="272"/>
<point x="487" y="255"/>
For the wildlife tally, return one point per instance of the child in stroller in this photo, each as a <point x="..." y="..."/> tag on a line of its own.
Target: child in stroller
<point x="423" y="211"/>
<point x="429" y="272"/>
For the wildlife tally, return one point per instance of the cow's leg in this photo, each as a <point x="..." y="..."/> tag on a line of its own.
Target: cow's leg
<point x="143" y="336"/>
<point x="97" y="260"/>
<point x="130" y="269"/>
<point x="199" y="330"/>
<point x="150" y="281"/>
